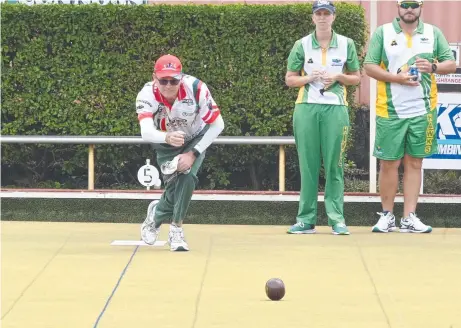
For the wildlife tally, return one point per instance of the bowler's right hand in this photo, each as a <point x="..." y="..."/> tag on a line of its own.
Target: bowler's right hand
<point x="175" y="138"/>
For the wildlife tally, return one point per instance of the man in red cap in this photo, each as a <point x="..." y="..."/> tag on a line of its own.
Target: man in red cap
<point x="178" y="115"/>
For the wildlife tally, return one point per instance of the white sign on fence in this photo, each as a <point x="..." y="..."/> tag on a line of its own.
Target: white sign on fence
<point x="448" y="79"/>
<point x="456" y="48"/>
<point x="149" y="176"/>
<point x="448" y="134"/>
<point x="451" y="78"/>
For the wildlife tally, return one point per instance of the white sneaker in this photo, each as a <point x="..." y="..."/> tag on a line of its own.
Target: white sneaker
<point x="413" y="224"/>
<point x="176" y="239"/>
<point x="386" y="223"/>
<point x="149" y="233"/>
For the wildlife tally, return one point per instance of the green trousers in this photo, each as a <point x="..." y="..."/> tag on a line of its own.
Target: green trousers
<point x="321" y="133"/>
<point x="175" y="200"/>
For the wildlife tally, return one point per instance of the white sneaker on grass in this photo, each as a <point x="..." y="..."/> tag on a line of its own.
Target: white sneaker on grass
<point x="386" y="223"/>
<point x="176" y="239"/>
<point x="413" y="224"/>
<point x="149" y="233"/>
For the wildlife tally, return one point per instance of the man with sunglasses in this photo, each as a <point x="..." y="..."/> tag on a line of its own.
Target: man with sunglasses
<point x="178" y="115"/>
<point x="403" y="57"/>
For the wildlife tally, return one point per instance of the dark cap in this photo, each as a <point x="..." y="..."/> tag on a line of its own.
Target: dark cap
<point x="324" y="4"/>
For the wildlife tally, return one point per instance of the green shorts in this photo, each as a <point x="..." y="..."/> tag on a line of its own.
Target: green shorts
<point x="413" y="136"/>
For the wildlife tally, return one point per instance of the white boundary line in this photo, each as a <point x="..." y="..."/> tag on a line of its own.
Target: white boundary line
<point x="210" y="196"/>
<point x="158" y="243"/>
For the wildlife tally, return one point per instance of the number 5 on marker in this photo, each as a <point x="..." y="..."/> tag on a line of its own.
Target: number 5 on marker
<point x="148" y="176"/>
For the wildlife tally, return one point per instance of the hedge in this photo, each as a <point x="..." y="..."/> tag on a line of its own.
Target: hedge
<point x="76" y="70"/>
<point x="209" y="212"/>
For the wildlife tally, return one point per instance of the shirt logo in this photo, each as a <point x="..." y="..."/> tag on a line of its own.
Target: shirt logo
<point x="161" y="108"/>
<point x="209" y="104"/>
<point x="187" y="101"/>
<point x="310" y="61"/>
<point x="145" y="102"/>
<point x="424" y="40"/>
<point x="393" y="43"/>
<point x="177" y="123"/>
<point x="336" y="62"/>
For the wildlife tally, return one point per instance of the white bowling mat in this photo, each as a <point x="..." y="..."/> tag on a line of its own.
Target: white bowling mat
<point x="158" y="243"/>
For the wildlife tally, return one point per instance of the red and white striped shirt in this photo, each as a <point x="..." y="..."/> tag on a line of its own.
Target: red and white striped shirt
<point x="186" y="114"/>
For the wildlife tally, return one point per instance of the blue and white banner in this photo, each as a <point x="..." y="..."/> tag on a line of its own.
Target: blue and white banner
<point x="448" y="133"/>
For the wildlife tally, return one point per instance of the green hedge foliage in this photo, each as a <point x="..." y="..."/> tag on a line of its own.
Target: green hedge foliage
<point x="76" y="70"/>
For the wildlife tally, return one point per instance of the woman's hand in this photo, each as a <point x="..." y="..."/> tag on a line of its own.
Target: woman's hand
<point x="314" y="76"/>
<point x="329" y="78"/>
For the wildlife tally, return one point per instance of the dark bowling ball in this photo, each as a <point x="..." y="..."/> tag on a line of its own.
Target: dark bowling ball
<point x="275" y="289"/>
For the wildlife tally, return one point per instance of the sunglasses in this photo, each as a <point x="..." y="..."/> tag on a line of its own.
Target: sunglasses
<point x="165" y="81"/>
<point x="412" y="5"/>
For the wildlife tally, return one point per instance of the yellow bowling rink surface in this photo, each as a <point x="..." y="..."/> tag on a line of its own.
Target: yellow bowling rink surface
<point x="66" y="275"/>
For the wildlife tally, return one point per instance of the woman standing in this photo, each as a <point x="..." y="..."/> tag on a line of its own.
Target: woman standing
<point x="321" y="64"/>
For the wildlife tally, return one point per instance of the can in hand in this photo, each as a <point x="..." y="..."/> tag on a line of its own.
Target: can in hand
<point x="415" y="73"/>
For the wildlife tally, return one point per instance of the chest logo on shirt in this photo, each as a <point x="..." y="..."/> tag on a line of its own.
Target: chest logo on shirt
<point x="424" y="40"/>
<point x="188" y="113"/>
<point x="393" y="43"/>
<point x="177" y="123"/>
<point x="187" y="101"/>
<point x="336" y="62"/>
<point x="310" y="61"/>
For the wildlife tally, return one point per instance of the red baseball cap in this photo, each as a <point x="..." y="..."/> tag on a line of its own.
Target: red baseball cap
<point x="168" y="66"/>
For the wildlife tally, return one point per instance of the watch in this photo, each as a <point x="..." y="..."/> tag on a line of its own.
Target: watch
<point x="434" y="68"/>
<point x="196" y="152"/>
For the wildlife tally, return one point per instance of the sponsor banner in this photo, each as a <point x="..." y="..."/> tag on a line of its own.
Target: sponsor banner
<point x="448" y="134"/>
<point x="448" y="79"/>
<point x="451" y="78"/>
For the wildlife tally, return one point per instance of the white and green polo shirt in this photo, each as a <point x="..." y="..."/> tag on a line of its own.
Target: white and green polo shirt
<point x="307" y="56"/>
<point x="394" y="50"/>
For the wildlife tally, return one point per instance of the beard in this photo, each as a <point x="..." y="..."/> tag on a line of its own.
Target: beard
<point x="409" y="19"/>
